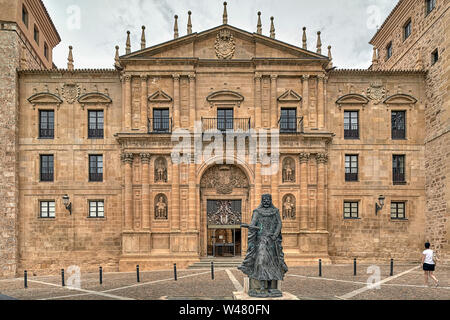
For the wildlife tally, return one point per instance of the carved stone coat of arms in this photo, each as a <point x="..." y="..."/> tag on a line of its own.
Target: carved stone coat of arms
<point x="225" y="45"/>
<point x="376" y="92"/>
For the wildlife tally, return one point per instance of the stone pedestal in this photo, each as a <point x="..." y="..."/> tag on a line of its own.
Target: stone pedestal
<point x="248" y="284"/>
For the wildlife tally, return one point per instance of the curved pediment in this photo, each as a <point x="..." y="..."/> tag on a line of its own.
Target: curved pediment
<point x="400" y="99"/>
<point x="45" y="98"/>
<point x="352" y="98"/>
<point x="94" y="98"/>
<point x="160" y="96"/>
<point x="225" y="96"/>
<point x="290" y="96"/>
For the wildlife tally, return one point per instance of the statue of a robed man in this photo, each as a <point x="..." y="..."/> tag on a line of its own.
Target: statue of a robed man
<point x="264" y="263"/>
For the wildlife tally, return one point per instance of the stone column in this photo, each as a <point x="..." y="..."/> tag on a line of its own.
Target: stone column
<point x="124" y="110"/>
<point x="176" y="101"/>
<point x="322" y="159"/>
<point x="145" y="160"/>
<point x="304" y="205"/>
<point x="192" y="104"/>
<point x="144" y="104"/>
<point x="305" y="83"/>
<point x="258" y="102"/>
<point x="273" y="101"/>
<point x="127" y="159"/>
<point x="320" y="101"/>
<point x="275" y="183"/>
<point x="175" y="218"/>
<point x="127" y="102"/>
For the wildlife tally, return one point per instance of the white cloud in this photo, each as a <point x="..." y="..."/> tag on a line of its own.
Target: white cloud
<point x="346" y="25"/>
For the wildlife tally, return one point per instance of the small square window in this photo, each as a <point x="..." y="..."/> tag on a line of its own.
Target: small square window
<point x="407" y="28"/>
<point x="25" y="15"/>
<point x="97" y="209"/>
<point x="47" y="209"/>
<point x="45" y="50"/>
<point x="430" y="5"/>
<point x="398" y="210"/>
<point x="36" y="34"/>
<point x="389" y="50"/>
<point x="434" y="56"/>
<point x="351" y="210"/>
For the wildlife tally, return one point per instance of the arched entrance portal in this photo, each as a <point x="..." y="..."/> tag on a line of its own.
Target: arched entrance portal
<point x="224" y="203"/>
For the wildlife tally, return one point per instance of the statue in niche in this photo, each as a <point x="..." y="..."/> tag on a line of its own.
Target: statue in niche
<point x="288" y="171"/>
<point x="160" y="170"/>
<point x="289" y="208"/>
<point x="161" y="208"/>
<point x="264" y="263"/>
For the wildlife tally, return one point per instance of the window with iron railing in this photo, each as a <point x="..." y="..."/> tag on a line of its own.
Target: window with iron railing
<point x="46" y="168"/>
<point x="95" y="168"/>
<point x="288" y="120"/>
<point x="46" y="124"/>
<point x="351" y="168"/>
<point x="96" y="124"/>
<point x="398" y="169"/>
<point x="398" y="125"/>
<point x="351" y="125"/>
<point x="225" y="119"/>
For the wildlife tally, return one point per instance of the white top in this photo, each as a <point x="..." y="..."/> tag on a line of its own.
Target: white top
<point x="428" y="256"/>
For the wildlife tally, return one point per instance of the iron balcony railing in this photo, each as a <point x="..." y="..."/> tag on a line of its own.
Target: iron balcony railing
<point x="47" y="176"/>
<point x="95" y="177"/>
<point x="159" y="125"/>
<point x="291" y="125"/>
<point x="351" y="132"/>
<point x="398" y="175"/>
<point x="46" y="133"/>
<point x="398" y="134"/>
<point x="226" y="124"/>
<point x="95" y="133"/>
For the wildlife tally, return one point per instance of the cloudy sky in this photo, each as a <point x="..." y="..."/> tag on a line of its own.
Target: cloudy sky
<point x="95" y="27"/>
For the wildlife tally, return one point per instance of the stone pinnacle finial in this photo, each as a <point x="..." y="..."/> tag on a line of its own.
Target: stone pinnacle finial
<point x="225" y="13"/>
<point x="319" y="43"/>
<point x="143" y="38"/>
<point x="189" y="24"/>
<point x="419" y="62"/>
<point x="259" y="25"/>
<point x="128" y="44"/>
<point x="330" y="64"/>
<point x="272" y="28"/>
<point x="304" y="39"/>
<point x="374" y="56"/>
<point x="117" y="60"/>
<point x="70" y="59"/>
<point x="23" y="58"/>
<point x="175" y="28"/>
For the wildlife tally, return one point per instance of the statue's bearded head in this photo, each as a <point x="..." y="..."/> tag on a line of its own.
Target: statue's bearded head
<point x="266" y="200"/>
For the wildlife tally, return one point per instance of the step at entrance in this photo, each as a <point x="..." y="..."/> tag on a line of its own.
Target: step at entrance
<point x="205" y="263"/>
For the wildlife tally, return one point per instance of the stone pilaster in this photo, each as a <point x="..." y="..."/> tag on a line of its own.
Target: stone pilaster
<point x="273" y="101"/>
<point x="144" y="104"/>
<point x="274" y="180"/>
<point x="127" y="102"/>
<point x="320" y="101"/>
<point x="258" y="101"/>
<point x="322" y="160"/>
<point x="127" y="159"/>
<point x="176" y="100"/>
<point x="145" y="161"/>
<point x="192" y="221"/>
<point x="175" y="218"/>
<point x="192" y="104"/>
<point x="305" y="85"/>
<point x="304" y="203"/>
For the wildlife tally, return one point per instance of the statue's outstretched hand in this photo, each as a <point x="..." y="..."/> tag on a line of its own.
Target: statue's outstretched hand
<point x="273" y="237"/>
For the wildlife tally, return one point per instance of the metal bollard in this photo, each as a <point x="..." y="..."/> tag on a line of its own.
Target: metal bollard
<point x="354" y="267"/>
<point x="137" y="273"/>
<point x="62" y="277"/>
<point x="392" y="267"/>
<point x="320" y="267"/>
<point x="175" y="271"/>
<point x="25" y="279"/>
<point x="101" y="274"/>
<point x="212" y="270"/>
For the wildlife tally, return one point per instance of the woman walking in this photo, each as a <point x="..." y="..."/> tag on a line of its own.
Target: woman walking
<point x="428" y="262"/>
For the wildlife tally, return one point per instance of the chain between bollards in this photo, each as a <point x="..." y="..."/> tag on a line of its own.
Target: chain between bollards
<point x="62" y="277"/>
<point x="175" y="271"/>
<point x="320" y="267"/>
<point x="137" y="274"/>
<point x="100" y="270"/>
<point x="354" y="267"/>
<point x="25" y="279"/>
<point x="212" y="270"/>
<point x="392" y="267"/>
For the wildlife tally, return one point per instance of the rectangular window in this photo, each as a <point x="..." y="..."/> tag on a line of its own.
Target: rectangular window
<point x="97" y="209"/>
<point x="398" y="125"/>
<point x="225" y="119"/>
<point x="47" y="209"/>
<point x="351" y="168"/>
<point x="46" y="168"/>
<point x="398" y="169"/>
<point x="45" y="50"/>
<point x="95" y="130"/>
<point x="25" y="15"/>
<point x="351" y="210"/>
<point x="398" y="210"/>
<point x="430" y="4"/>
<point x="434" y="56"/>
<point x="96" y="168"/>
<point x="351" y="125"/>
<point x="288" y="120"/>
<point x="407" y="28"/>
<point x="161" y="120"/>
<point x="389" y="51"/>
<point x="46" y="124"/>
<point x="36" y="34"/>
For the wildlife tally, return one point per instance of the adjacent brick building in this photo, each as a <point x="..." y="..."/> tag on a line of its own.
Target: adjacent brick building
<point x="91" y="179"/>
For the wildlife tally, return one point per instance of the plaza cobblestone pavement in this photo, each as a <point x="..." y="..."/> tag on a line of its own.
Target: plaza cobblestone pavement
<point x="337" y="283"/>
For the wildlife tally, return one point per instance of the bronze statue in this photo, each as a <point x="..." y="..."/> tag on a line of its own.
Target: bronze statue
<point x="264" y="263"/>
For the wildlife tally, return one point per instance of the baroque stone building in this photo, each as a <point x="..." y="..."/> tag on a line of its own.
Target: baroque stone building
<point x="90" y="177"/>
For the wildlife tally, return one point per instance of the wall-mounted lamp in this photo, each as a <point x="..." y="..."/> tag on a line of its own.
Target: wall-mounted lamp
<point x="380" y="206"/>
<point x="67" y="203"/>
